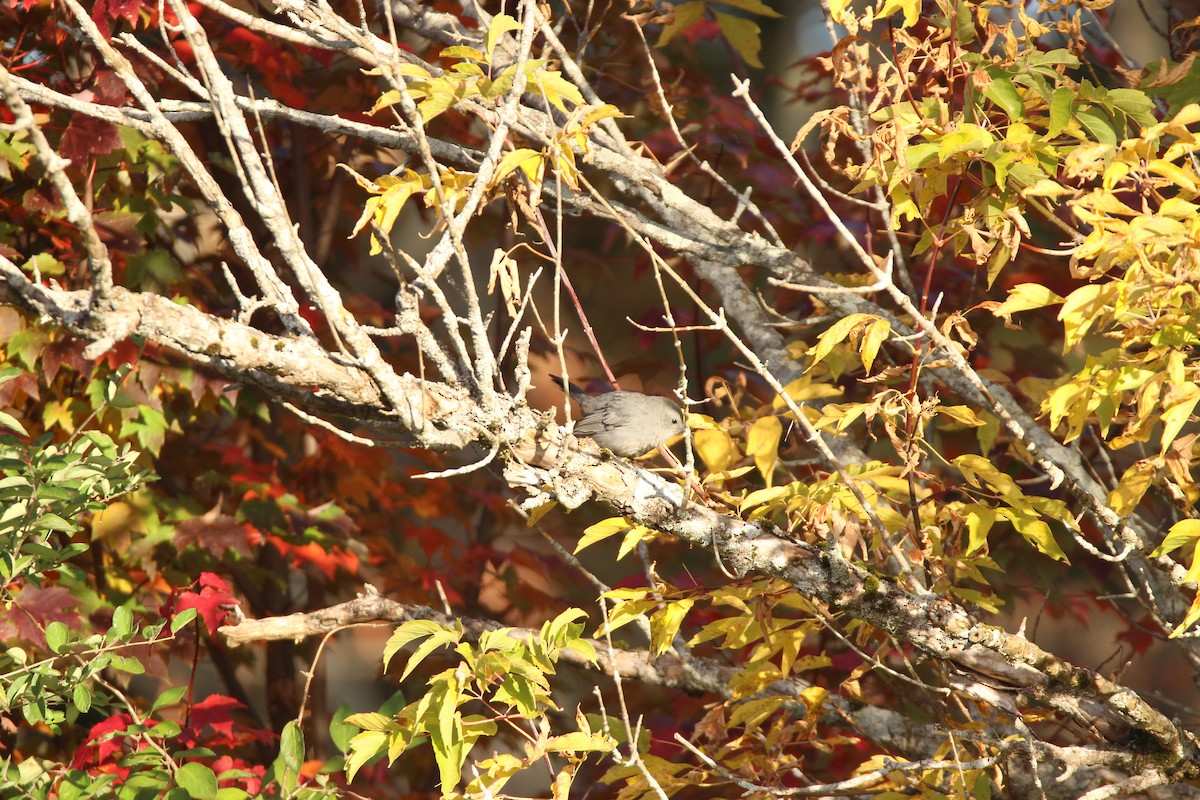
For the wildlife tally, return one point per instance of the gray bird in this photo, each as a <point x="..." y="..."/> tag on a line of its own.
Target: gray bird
<point x="627" y="423"/>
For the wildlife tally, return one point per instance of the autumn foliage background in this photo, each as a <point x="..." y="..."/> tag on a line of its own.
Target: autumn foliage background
<point x="972" y="271"/>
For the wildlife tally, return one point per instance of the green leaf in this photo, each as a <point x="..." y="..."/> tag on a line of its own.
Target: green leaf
<point x="341" y="732"/>
<point x="168" y="697"/>
<point x="1098" y="124"/>
<point x="122" y="622"/>
<point x="127" y="664"/>
<point x="197" y="780"/>
<point x="291" y="746"/>
<point x="1061" y="103"/>
<point x="182" y="618"/>
<point x="1003" y="93"/>
<point x="81" y="697"/>
<point x="56" y="636"/>
<point x="437" y="636"/>
<point x="10" y="422"/>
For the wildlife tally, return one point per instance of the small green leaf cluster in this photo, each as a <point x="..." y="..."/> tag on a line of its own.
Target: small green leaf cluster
<point x="54" y="691"/>
<point x="46" y="488"/>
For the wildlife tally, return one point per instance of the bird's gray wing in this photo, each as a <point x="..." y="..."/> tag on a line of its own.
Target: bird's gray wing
<point x="615" y="410"/>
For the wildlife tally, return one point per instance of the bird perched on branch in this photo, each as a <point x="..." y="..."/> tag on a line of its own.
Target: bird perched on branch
<point x="627" y="423"/>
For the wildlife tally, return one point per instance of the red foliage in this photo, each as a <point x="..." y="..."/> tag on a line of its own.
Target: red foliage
<point x="213" y="602"/>
<point x="35" y="608"/>
<point x="102" y="752"/>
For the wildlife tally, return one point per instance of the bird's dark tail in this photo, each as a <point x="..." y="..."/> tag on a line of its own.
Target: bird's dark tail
<point x="569" y="388"/>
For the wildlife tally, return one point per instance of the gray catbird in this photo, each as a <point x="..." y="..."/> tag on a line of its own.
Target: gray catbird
<point x="627" y="423"/>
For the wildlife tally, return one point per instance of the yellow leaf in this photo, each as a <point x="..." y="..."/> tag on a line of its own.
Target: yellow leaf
<point x="962" y="414"/>
<point x="632" y="536"/>
<point x="1178" y="208"/>
<point x="1181" y="533"/>
<point x="1047" y="188"/>
<point x="536" y="515"/>
<point x="716" y="448"/>
<point x="813" y="697"/>
<point x="974" y="468"/>
<point x="968" y="138"/>
<point x="1193" y="573"/>
<point x="602" y="530"/>
<point x="743" y="35"/>
<point x="606" y="111"/>
<point x="664" y="624"/>
<point x="528" y="161"/>
<point x="387" y="99"/>
<point x="1177" y="415"/>
<point x="754" y="7"/>
<point x="911" y="9"/>
<point x="501" y="24"/>
<point x="1024" y="297"/>
<point x="1173" y="173"/>
<point x="762" y="496"/>
<point x="762" y="444"/>
<point x="683" y="16"/>
<point x="752" y="713"/>
<point x="579" y="742"/>
<point x="555" y="88"/>
<point x="1036" y="532"/>
<point x="836" y="333"/>
<point x="979" y="524"/>
<point x="844" y="414"/>
<point x="1133" y="484"/>
<point x="461" y="51"/>
<point x="1189" y="619"/>
<point x="1082" y="308"/>
<point x="875" y="335"/>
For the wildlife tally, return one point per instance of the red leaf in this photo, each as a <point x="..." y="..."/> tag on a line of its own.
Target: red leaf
<point x="213" y="601"/>
<point x="35" y="609"/>
<point x="105" y="10"/>
<point x="103" y="756"/>
<point x="217" y="712"/>
<point x="251" y="785"/>
<point x="214" y="532"/>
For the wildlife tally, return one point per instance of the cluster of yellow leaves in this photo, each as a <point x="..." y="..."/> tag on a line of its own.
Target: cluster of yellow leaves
<point x="508" y="672"/>
<point x="768" y="623"/>
<point x="470" y="78"/>
<point x="1024" y="121"/>
<point x="1033" y="140"/>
